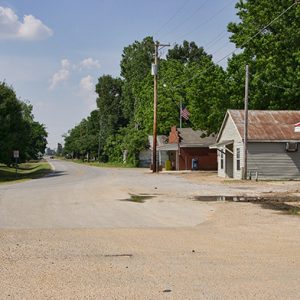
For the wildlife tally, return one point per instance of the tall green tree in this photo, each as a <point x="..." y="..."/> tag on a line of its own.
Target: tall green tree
<point x="135" y="71"/>
<point x="18" y="130"/>
<point x="111" y="117"/>
<point x="272" y="54"/>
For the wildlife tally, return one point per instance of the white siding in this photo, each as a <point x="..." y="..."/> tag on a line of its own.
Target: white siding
<point x="271" y="161"/>
<point x="221" y="172"/>
<point x="230" y="131"/>
<point x="238" y="174"/>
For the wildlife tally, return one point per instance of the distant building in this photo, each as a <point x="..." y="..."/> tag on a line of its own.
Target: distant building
<point x="59" y="149"/>
<point x="188" y="149"/>
<point x="49" y="152"/>
<point x="273" y="139"/>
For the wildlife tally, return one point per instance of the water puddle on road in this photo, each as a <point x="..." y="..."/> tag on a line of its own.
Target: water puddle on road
<point x="286" y="204"/>
<point x="138" y="198"/>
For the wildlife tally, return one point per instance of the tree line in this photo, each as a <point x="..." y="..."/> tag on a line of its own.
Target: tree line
<point x="18" y="130"/>
<point x="124" y="114"/>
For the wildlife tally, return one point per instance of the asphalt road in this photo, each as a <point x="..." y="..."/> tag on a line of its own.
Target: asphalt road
<point x="78" y="196"/>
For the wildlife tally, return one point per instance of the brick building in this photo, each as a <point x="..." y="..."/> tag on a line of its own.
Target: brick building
<point x="187" y="146"/>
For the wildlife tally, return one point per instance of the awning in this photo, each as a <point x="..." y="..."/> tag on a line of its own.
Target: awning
<point x="221" y="144"/>
<point x="168" y="147"/>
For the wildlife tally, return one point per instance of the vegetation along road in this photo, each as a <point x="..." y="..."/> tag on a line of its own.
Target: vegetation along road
<point x="74" y="234"/>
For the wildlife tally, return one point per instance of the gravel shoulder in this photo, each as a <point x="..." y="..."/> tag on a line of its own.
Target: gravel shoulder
<point x="84" y="243"/>
<point x="241" y="252"/>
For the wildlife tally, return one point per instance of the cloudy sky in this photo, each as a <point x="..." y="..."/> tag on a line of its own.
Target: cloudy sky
<point x="53" y="52"/>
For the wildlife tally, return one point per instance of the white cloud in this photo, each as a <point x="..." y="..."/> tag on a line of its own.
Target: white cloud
<point x="30" y="29"/>
<point x="89" y="63"/>
<point x="62" y="75"/>
<point x="87" y="91"/>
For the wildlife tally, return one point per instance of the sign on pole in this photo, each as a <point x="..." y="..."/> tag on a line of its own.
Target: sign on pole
<point x="16" y="153"/>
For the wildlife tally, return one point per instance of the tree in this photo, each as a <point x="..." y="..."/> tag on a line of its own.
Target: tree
<point x="18" y="129"/>
<point x="272" y="54"/>
<point x="135" y="71"/>
<point x="188" y="52"/>
<point x="198" y="83"/>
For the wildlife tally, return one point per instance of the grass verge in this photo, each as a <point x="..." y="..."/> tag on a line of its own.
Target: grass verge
<point x="103" y="165"/>
<point x="26" y="171"/>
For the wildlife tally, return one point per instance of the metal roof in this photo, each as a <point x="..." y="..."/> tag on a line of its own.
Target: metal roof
<point x="268" y="125"/>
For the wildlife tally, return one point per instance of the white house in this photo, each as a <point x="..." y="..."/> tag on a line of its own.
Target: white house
<point x="273" y="138"/>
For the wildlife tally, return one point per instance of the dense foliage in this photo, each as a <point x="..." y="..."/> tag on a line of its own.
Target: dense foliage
<point x="18" y="130"/>
<point x="273" y="54"/>
<point x="188" y="75"/>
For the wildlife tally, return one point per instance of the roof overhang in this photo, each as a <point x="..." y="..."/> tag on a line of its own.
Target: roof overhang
<point x="221" y="144"/>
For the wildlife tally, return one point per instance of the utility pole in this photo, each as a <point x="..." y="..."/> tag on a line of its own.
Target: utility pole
<point x="154" y="73"/>
<point x="246" y="122"/>
<point x="180" y="114"/>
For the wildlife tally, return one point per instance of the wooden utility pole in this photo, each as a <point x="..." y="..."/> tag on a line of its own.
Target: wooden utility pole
<point x="154" y="73"/>
<point x="246" y="123"/>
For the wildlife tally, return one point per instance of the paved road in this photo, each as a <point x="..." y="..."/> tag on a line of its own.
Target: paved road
<point x="78" y="196"/>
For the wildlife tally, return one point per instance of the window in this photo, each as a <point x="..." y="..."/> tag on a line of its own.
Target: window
<point x="238" y="159"/>
<point x="222" y="160"/>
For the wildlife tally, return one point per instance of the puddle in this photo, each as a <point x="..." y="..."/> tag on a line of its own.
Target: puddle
<point x="272" y="202"/>
<point x="138" y="198"/>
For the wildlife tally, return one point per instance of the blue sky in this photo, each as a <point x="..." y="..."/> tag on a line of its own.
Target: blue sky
<point x="53" y="52"/>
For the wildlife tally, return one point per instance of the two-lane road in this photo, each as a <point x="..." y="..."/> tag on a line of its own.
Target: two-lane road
<point x="78" y="196"/>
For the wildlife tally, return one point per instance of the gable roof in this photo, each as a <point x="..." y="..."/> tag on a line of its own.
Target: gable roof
<point x="266" y="125"/>
<point x="160" y="139"/>
<point x="190" y="137"/>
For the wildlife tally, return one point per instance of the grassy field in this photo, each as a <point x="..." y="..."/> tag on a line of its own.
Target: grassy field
<point x="25" y="171"/>
<point x="103" y="165"/>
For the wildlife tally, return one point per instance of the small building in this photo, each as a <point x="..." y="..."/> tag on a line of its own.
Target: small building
<point x="145" y="156"/>
<point x="272" y="153"/>
<point x="188" y="149"/>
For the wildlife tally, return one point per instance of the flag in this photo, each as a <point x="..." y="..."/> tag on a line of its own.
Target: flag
<point x="185" y="113"/>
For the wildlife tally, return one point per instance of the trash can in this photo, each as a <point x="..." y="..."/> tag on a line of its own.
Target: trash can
<point x="194" y="164"/>
<point x="168" y="165"/>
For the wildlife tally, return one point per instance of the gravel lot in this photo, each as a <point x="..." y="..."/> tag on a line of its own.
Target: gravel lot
<point x="69" y="236"/>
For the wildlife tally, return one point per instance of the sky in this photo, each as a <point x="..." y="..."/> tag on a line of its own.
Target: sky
<point x="52" y="52"/>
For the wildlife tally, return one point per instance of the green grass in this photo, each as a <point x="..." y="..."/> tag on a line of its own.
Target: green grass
<point x="103" y="165"/>
<point x="26" y="171"/>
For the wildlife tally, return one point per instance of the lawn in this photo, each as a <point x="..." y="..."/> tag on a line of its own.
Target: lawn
<point x="25" y="171"/>
<point x="104" y="165"/>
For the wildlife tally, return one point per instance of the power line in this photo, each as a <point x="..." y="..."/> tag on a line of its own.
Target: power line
<point x="171" y="18"/>
<point x="208" y="20"/>
<point x="245" y="43"/>
<point x="187" y="19"/>
<point x="274" y="85"/>
<point x="215" y="40"/>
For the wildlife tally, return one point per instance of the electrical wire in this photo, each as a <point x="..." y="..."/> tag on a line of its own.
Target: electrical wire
<point x="208" y="20"/>
<point x="274" y="85"/>
<point x="171" y="18"/>
<point x="243" y="44"/>
<point x="187" y="19"/>
<point x="215" y="40"/>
